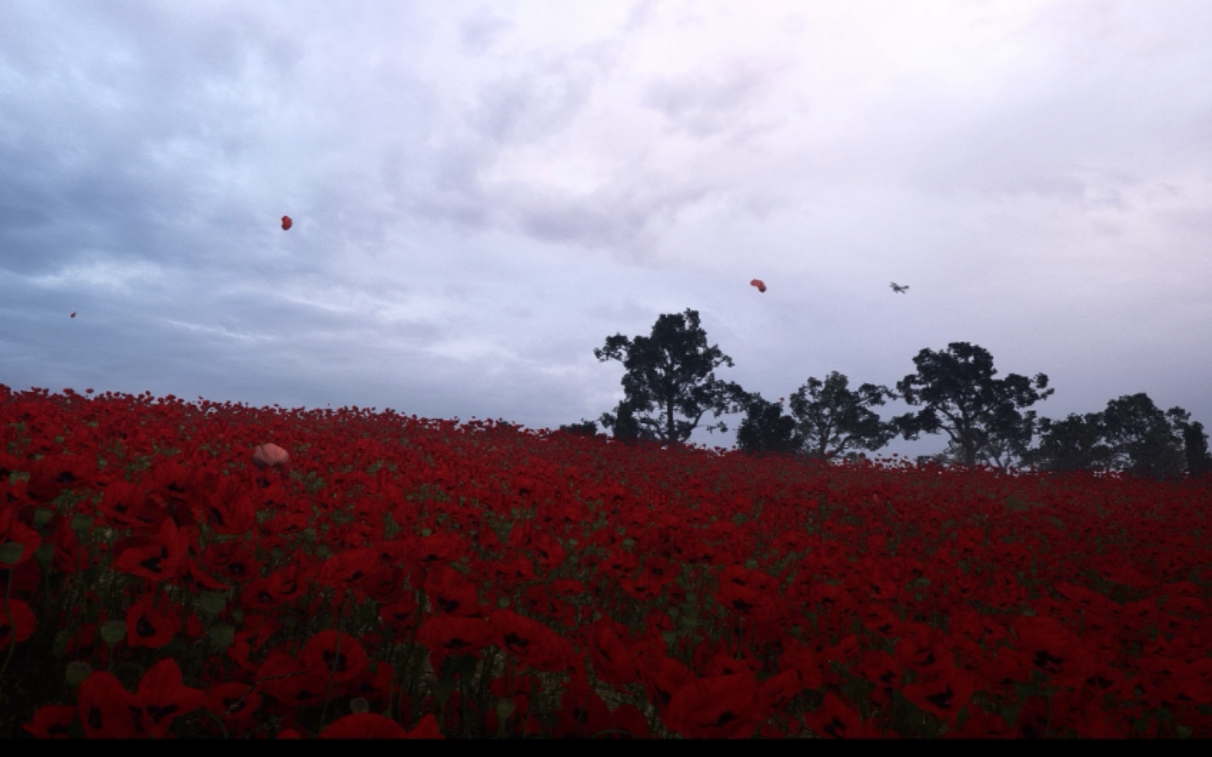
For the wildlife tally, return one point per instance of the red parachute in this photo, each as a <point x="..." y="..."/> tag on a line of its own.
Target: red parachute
<point x="285" y="223"/>
<point x="758" y="283"/>
<point x="73" y="314"/>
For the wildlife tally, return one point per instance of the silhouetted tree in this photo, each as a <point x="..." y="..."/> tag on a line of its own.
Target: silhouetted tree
<point x="1195" y="444"/>
<point x="1143" y="440"/>
<point x="624" y="425"/>
<point x="977" y="411"/>
<point x="1073" y="444"/>
<point x="766" y="429"/>
<point x="584" y="428"/>
<point x="672" y="369"/>
<point x="832" y="418"/>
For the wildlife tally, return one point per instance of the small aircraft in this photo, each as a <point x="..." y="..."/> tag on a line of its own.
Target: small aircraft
<point x="898" y="288"/>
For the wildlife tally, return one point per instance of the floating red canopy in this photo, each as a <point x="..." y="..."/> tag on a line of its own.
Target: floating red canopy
<point x="73" y="314"/>
<point x="758" y="283"/>
<point x="285" y="223"/>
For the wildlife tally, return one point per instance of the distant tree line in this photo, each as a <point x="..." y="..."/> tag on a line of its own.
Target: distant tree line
<point x="670" y="384"/>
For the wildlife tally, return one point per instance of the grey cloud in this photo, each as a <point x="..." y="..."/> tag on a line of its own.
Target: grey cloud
<point x="480" y="31"/>
<point x="707" y="104"/>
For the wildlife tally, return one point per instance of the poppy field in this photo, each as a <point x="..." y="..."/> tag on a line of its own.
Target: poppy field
<point x="215" y="570"/>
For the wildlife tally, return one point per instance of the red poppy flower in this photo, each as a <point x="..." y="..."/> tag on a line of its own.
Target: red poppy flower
<point x="23" y="622"/>
<point x="583" y="713"/>
<point x="374" y="683"/>
<point x="547" y="549"/>
<point x="440" y="548"/>
<point x="611" y="659"/>
<point x="160" y="559"/>
<point x="348" y="568"/>
<point x="943" y="694"/>
<point x="236" y="703"/>
<point x="1051" y="647"/>
<point x="426" y="729"/>
<point x="383" y="585"/>
<point x="194" y="579"/>
<point x="293" y="683"/>
<point x="806" y="662"/>
<point x="227" y="509"/>
<point x="69" y="556"/>
<point x="150" y="627"/>
<point x="838" y="720"/>
<point x="534" y="644"/>
<point x="51" y="722"/>
<point x="715" y="707"/>
<point x="981" y="725"/>
<point x="163" y="697"/>
<point x="291" y="582"/>
<point x="451" y="593"/>
<point x="256" y="595"/>
<point x="340" y="665"/>
<point x="401" y="617"/>
<point x="16" y="532"/>
<point x="662" y="676"/>
<point x="447" y="635"/>
<point x="364" y="725"/>
<point x="107" y="711"/>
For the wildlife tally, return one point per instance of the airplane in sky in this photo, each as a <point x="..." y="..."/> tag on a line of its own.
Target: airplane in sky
<point x="898" y="288"/>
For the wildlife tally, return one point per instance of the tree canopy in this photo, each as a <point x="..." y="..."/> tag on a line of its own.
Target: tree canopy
<point x="979" y="413"/>
<point x="1143" y="440"/>
<point x="672" y="371"/>
<point x="767" y="430"/>
<point x="826" y="419"/>
<point x="1131" y="435"/>
<point x="1073" y="444"/>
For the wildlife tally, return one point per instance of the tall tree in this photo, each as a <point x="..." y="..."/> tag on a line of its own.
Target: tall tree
<point x="832" y="418"/>
<point x="673" y="370"/>
<point x="962" y="398"/>
<point x="766" y="429"/>
<point x="1144" y="441"/>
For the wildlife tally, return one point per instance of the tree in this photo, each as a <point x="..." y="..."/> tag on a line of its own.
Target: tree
<point x="767" y="430"/>
<point x="836" y="418"/>
<point x="978" y="412"/>
<point x="1143" y="440"/>
<point x="625" y="426"/>
<point x="1195" y="443"/>
<point x="1073" y="444"/>
<point x="584" y="428"/>
<point x="672" y="369"/>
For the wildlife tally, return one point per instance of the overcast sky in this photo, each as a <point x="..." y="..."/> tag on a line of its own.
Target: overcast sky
<point x="482" y="192"/>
